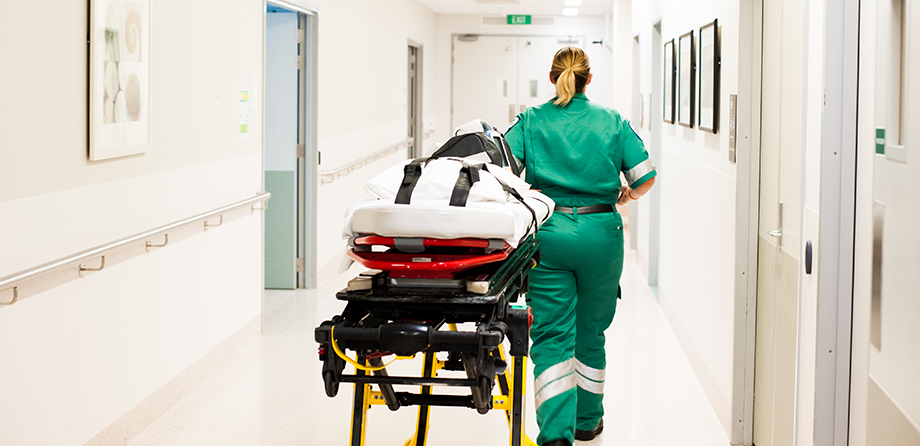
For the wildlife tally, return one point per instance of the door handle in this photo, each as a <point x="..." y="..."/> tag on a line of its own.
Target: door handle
<point x="808" y="257"/>
<point x="778" y="233"/>
<point x="511" y="113"/>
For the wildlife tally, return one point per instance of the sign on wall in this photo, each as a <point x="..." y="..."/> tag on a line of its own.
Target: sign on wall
<point x="518" y="19"/>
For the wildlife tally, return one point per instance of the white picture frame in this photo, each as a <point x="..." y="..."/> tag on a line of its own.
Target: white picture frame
<point x="670" y="81"/>
<point x="119" y="80"/>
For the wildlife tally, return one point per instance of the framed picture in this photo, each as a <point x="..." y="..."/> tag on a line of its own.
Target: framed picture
<point x="686" y="76"/>
<point x="710" y="60"/>
<point x="119" y="90"/>
<point x="670" y="71"/>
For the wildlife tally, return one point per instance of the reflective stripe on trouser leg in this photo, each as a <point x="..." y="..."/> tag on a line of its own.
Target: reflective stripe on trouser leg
<point x="589" y="378"/>
<point x="590" y="396"/>
<point x="554" y="381"/>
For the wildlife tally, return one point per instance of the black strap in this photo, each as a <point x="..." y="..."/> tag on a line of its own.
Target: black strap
<point x="411" y="174"/>
<point x="469" y="175"/>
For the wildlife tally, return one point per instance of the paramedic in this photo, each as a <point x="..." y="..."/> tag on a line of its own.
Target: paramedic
<point x="574" y="151"/>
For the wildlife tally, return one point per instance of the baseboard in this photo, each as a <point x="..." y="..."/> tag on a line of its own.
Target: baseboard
<point x="703" y="375"/>
<point x="128" y="427"/>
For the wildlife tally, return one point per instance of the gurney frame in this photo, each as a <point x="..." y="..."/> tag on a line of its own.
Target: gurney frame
<point x="407" y="321"/>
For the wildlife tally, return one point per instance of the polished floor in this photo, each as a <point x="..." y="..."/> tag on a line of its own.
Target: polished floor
<point x="272" y="393"/>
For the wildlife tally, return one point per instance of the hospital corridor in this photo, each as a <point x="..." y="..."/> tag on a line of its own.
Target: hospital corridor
<point x="411" y="223"/>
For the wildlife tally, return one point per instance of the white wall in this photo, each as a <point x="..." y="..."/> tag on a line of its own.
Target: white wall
<point x="698" y="186"/>
<point x="363" y="79"/>
<point x="593" y="28"/>
<point x="78" y="354"/>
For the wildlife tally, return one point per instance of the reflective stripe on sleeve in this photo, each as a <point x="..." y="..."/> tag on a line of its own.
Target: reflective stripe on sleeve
<point x="589" y="378"/>
<point x="554" y="381"/>
<point x="636" y="173"/>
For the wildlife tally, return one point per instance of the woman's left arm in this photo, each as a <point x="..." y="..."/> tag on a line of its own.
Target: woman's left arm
<point x="630" y="194"/>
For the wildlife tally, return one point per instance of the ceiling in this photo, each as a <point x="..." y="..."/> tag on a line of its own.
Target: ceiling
<point x="503" y="7"/>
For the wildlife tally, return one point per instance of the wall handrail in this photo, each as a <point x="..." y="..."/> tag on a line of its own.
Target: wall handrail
<point x="13" y="281"/>
<point x="328" y="176"/>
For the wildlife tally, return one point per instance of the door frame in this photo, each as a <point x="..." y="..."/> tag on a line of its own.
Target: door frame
<point x="655" y="138"/>
<point x="308" y="165"/>
<point x="417" y="136"/>
<point x="747" y="203"/>
<point x="836" y="246"/>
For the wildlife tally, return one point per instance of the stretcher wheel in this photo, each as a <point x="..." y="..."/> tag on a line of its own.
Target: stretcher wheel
<point x="332" y="386"/>
<point x="485" y="393"/>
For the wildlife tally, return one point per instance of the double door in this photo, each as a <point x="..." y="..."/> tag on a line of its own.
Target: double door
<point x="496" y="77"/>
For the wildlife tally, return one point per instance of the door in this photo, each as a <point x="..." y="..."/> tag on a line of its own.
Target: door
<point x="886" y="365"/>
<point x="497" y="77"/>
<point x="281" y="139"/>
<point x="780" y="223"/>
<point x="484" y="80"/>
<point x="535" y="58"/>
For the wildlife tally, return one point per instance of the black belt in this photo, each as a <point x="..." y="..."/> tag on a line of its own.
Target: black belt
<point x="596" y="209"/>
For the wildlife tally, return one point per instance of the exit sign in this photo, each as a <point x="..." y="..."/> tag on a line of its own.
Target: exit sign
<point x="518" y="19"/>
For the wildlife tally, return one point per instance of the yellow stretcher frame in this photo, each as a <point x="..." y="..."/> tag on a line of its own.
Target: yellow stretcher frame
<point x="511" y="399"/>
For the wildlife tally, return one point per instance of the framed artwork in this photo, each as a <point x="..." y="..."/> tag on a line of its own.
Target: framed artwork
<point x="670" y="70"/>
<point x="119" y="90"/>
<point x="686" y="76"/>
<point x="710" y="61"/>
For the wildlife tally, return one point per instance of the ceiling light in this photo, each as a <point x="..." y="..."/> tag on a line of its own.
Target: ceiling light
<point x="573" y="2"/>
<point x="569" y="12"/>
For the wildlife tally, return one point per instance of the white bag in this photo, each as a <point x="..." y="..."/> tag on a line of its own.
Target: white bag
<point x="439" y="176"/>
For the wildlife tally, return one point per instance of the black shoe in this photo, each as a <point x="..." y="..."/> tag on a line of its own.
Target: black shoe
<point x="581" y="435"/>
<point x="558" y="443"/>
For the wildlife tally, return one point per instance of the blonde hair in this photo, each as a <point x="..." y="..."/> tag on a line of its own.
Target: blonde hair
<point x="570" y="72"/>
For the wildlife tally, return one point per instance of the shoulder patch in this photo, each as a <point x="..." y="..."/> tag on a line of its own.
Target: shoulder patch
<point x="513" y="123"/>
<point x="629" y="124"/>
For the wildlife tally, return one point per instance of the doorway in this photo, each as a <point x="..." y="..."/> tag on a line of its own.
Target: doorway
<point x="290" y="146"/>
<point x="496" y="77"/>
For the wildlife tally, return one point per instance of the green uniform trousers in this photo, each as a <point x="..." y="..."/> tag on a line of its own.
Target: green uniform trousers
<point x="573" y="296"/>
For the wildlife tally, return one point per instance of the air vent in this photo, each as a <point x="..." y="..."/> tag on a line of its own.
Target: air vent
<point x="503" y="20"/>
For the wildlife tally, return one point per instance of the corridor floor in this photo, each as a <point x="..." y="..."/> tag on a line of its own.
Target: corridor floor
<point x="272" y="393"/>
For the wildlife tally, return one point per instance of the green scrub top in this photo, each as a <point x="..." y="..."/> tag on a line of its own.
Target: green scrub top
<point x="574" y="154"/>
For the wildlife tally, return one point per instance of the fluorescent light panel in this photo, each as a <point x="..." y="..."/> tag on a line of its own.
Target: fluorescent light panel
<point x="569" y="12"/>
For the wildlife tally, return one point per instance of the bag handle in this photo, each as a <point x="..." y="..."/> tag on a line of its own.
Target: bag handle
<point x="411" y="174"/>
<point x="469" y="175"/>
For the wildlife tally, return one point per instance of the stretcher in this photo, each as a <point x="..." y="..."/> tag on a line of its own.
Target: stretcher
<point x="409" y="303"/>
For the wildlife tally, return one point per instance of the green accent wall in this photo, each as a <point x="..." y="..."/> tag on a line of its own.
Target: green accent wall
<point x="281" y="230"/>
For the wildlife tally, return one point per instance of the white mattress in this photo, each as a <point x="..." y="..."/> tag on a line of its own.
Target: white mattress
<point x="435" y="219"/>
